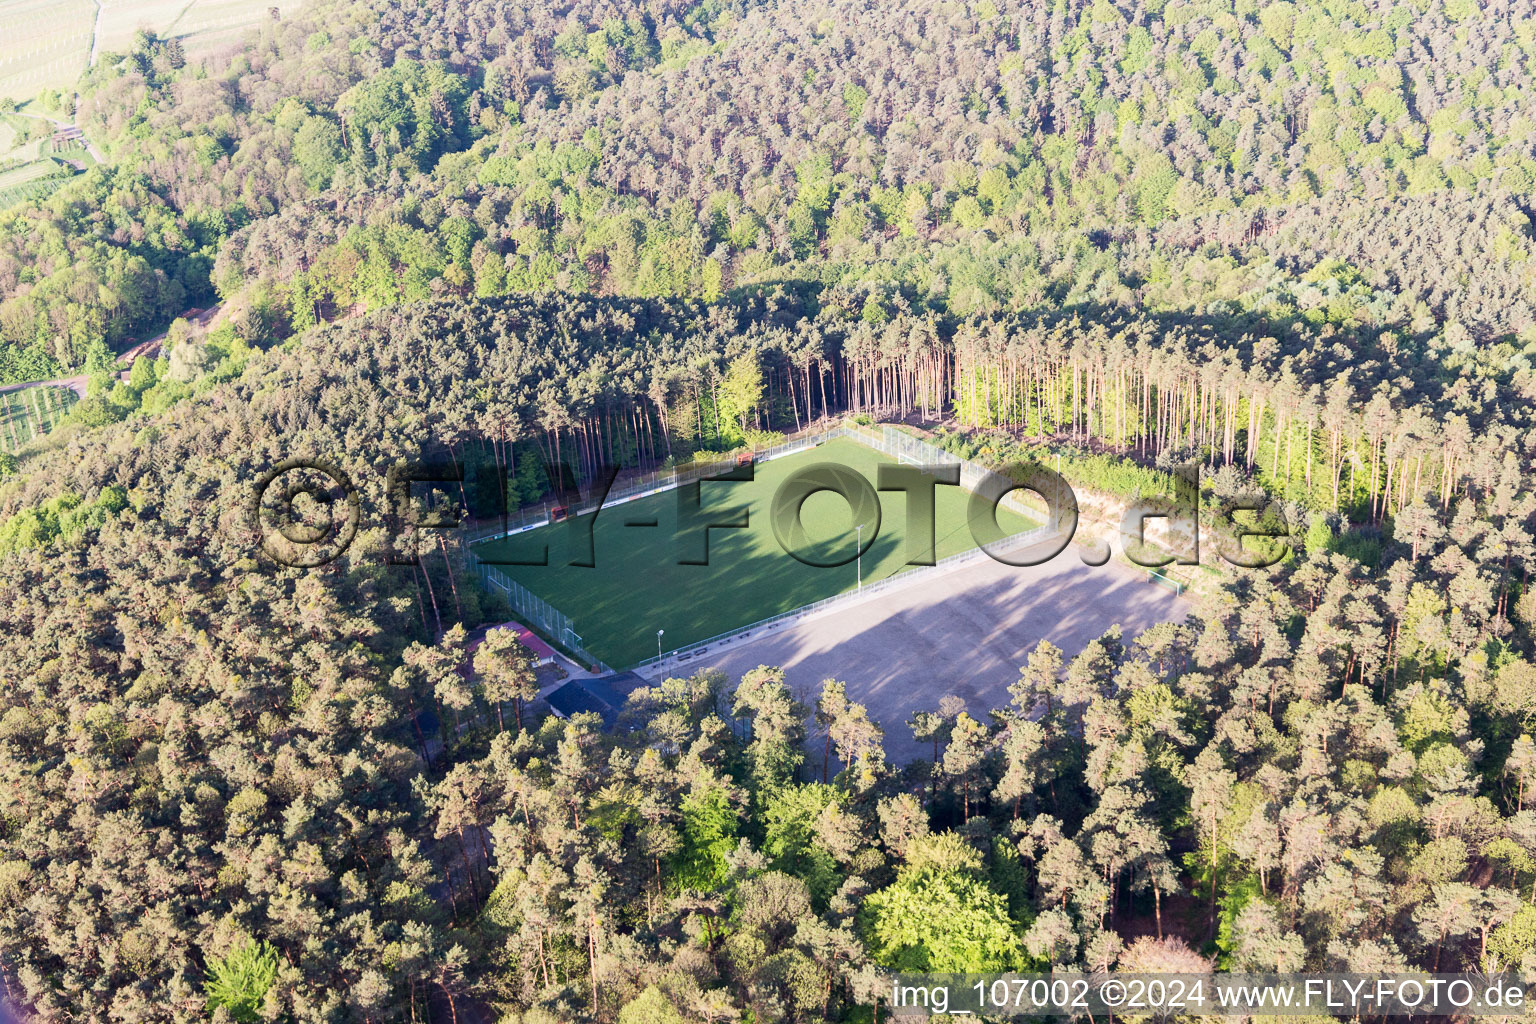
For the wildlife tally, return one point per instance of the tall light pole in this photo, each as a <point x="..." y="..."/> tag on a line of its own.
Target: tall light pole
<point x="658" y="643"/>
<point x="858" y="555"/>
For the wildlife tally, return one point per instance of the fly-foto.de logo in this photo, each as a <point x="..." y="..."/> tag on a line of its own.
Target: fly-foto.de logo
<point x="306" y="512"/>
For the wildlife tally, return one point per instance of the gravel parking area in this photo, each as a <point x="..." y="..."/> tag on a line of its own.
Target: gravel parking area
<point x="965" y="632"/>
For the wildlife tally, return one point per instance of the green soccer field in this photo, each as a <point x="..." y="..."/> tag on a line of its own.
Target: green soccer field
<point x="637" y="585"/>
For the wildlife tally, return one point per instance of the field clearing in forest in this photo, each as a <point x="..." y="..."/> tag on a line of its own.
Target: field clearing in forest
<point x="637" y="584"/>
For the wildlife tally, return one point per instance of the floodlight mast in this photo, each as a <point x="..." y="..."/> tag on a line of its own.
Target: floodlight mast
<point x="859" y="558"/>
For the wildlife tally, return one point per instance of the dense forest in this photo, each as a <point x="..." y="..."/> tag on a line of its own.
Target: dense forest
<point x="1300" y="159"/>
<point x="1290" y="242"/>
<point x="227" y="777"/>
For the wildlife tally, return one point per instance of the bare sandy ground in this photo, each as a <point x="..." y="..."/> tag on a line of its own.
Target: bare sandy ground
<point x="965" y="632"/>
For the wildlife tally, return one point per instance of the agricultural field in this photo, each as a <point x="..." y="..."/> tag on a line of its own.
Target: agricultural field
<point x="119" y="21"/>
<point x="27" y="172"/>
<point x="44" y="44"/>
<point x="35" y="179"/>
<point x="47" y="44"/>
<point x="72" y="152"/>
<point x="14" y="142"/>
<point x="637" y="584"/>
<point x="207" y="24"/>
<point x="29" y="413"/>
<point x="201" y="25"/>
<point x="30" y="164"/>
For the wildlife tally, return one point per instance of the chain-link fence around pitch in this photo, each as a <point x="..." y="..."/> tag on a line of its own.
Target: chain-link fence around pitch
<point x="560" y="627"/>
<point x="532" y="610"/>
<point x="905" y="448"/>
<point x="538" y="613"/>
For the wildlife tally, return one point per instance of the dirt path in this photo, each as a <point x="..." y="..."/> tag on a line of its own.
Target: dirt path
<point x="96" y="36"/>
<point x="75" y="384"/>
<point x="198" y="318"/>
<point x="149" y="348"/>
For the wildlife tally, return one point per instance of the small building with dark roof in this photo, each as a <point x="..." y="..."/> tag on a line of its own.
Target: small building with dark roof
<point x="605" y="696"/>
